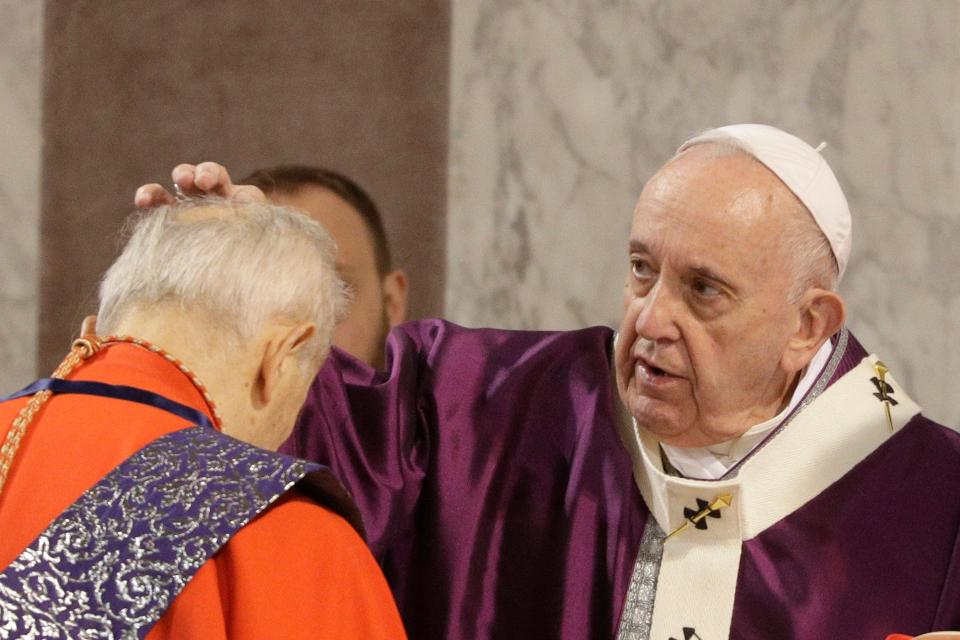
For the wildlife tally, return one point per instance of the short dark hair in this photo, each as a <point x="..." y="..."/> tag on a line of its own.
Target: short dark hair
<point x="290" y="179"/>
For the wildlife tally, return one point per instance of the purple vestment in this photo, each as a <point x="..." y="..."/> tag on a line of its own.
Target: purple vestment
<point x="501" y="503"/>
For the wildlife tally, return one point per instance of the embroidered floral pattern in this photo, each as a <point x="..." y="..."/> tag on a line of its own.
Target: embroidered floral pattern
<point x="111" y="564"/>
<point x="637" y="614"/>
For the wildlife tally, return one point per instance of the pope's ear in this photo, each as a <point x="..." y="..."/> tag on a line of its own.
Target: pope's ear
<point x="281" y="352"/>
<point x="822" y="314"/>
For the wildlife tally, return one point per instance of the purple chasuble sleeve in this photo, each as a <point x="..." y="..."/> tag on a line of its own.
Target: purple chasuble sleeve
<point x="490" y="476"/>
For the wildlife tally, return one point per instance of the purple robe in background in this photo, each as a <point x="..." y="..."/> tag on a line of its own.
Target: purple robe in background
<point x="501" y="501"/>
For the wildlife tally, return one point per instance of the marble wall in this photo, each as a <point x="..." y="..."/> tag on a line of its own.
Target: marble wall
<point x="20" y="54"/>
<point x="560" y="111"/>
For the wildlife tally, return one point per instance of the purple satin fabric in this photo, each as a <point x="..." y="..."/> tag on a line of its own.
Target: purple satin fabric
<point x="487" y="464"/>
<point x="501" y="504"/>
<point x="878" y="552"/>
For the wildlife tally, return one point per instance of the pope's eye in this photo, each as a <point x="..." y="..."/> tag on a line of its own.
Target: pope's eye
<point x="640" y="268"/>
<point x="705" y="289"/>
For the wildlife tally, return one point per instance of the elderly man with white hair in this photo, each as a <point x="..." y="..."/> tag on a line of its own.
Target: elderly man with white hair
<point x="133" y="502"/>
<point x="730" y="464"/>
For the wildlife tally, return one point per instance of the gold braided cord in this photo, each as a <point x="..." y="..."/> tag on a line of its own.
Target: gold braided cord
<point x="82" y="349"/>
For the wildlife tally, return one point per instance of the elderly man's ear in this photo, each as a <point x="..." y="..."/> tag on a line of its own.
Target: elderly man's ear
<point x="281" y="351"/>
<point x="394" y="286"/>
<point x="821" y="314"/>
<point x="89" y="326"/>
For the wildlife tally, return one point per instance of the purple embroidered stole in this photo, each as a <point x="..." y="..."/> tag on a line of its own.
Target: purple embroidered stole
<point x="111" y="564"/>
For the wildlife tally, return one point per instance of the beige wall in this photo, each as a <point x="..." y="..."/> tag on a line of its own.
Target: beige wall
<point x="358" y="86"/>
<point x="560" y="112"/>
<point x="20" y="52"/>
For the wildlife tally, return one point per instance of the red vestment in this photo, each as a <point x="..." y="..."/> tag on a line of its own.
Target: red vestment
<point x="296" y="571"/>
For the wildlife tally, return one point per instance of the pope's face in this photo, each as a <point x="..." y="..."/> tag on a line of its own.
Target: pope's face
<point x="706" y="314"/>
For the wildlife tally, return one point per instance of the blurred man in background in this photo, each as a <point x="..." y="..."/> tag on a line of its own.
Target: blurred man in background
<point x="379" y="291"/>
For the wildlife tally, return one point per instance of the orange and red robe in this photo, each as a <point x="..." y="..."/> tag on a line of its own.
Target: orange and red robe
<point x="296" y="571"/>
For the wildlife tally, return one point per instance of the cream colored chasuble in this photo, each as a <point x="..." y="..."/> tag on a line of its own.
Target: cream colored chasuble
<point x="689" y="593"/>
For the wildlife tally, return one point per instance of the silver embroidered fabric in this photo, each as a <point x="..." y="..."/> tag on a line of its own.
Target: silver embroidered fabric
<point x="637" y="616"/>
<point x="828" y="371"/>
<point x="110" y="565"/>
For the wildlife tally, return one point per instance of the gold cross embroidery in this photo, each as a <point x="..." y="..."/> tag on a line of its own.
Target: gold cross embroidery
<point x="721" y="501"/>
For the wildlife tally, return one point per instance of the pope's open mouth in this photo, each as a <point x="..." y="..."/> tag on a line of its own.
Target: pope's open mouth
<point x="652" y="375"/>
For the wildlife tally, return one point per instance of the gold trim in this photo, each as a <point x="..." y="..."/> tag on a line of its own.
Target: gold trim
<point x="80" y="351"/>
<point x="882" y="371"/>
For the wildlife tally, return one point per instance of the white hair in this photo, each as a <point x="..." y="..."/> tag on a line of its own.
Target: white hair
<point x="243" y="264"/>
<point x="814" y="264"/>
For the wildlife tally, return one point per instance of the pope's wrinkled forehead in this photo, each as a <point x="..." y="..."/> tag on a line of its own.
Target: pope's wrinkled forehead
<point x="710" y="209"/>
<point x="711" y="184"/>
<point x="801" y="168"/>
<point x="710" y="178"/>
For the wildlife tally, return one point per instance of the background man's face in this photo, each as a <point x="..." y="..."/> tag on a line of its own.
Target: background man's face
<point x="706" y="314"/>
<point x="363" y="331"/>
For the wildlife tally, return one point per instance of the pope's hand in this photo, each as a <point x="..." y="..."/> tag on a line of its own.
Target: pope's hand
<point x="206" y="178"/>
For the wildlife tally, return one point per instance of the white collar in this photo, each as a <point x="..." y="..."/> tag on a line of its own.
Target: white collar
<point x="711" y="463"/>
<point x="835" y="427"/>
